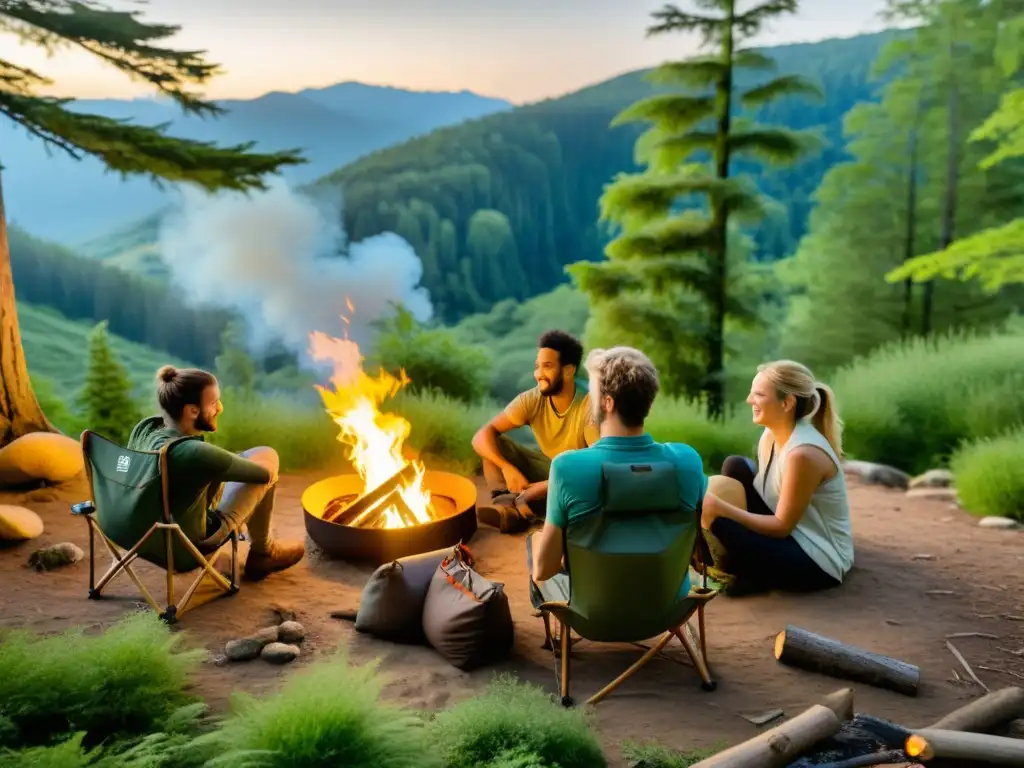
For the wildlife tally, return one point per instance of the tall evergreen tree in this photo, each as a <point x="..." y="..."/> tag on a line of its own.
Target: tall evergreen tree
<point x="668" y="273"/>
<point x="106" y="398"/>
<point x="121" y="40"/>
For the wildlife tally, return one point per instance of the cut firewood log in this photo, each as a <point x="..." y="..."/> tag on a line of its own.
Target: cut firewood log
<point x="840" y="702"/>
<point x="986" y="714"/>
<point x="932" y="744"/>
<point x="816" y="653"/>
<point x="780" y="745"/>
<point x="351" y="514"/>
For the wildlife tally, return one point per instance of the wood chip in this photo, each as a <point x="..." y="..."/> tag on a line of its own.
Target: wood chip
<point x="894" y="622"/>
<point x="966" y="666"/>
<point x="940" y="592"/>
<point x="763" y="717"/>
<point x="986" y="635"/>
<point x="1013" y="653"/>
<point x="923" y="557"/>
<point x="1011" y="617"/>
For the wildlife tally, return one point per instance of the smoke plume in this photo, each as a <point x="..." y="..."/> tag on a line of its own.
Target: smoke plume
<point x="283" y="261"/>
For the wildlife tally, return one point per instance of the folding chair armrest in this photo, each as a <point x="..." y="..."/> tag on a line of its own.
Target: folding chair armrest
<point x="83" y="508"/>
<point x="702" y="594"/>
<point x="554" y="606"/>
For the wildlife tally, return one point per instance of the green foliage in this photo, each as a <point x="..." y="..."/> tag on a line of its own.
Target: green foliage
<point x="911" y="404"/>
<point x="652" y="755"/>
<point x="235" y="368"/>
<point x="672" y="258"/>
<point x="55" y="407"/>
<point x="990" y="474"/>
<point x="124" y="682"/>
<point x="106" y="399"/>
<point x="519" y="725"/>
<point x="683" y="421"/>
<point x="67" y="754"/>
<point x="433" y="359"/>
<point x="329" y="714"/>
<point x="120" y="39"/>
<point x="443" y="428"/>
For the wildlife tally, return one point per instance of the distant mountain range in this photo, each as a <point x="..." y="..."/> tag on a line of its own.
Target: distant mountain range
<point x="69" y="201"/>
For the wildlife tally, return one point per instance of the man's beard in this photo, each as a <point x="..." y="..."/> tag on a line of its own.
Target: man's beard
<point x="205" y="426"/>
<point x="555" y="387"/>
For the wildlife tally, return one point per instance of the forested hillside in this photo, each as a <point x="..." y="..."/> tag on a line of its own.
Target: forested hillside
<point x="498" y="206"/>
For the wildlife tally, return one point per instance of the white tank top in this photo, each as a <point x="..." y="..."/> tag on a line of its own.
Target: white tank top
<point x="825" y="531"/>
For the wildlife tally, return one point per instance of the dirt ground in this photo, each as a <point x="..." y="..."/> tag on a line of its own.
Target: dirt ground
<point x="886" y="605"/>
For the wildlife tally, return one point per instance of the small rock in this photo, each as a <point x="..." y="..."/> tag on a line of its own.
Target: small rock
<point x="994" y="521"/>
<point x="923" y="557"/>
<point x="269" y="634"/>
<point x="280" y="653"/>
<point x="291" y="632"/>
<point x="244" y="649"/>
<point x="877" y="474"/>
<point x="763" y="717"/>
<point x="282" y="612"/>
<point x="48" y="558"/>
<point x="220" y="660"/>
<point x="938" y="494"/>
<point x="933" y="478"/>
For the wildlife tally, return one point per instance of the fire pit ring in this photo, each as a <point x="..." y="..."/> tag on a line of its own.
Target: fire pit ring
<point x="455" y="498"/>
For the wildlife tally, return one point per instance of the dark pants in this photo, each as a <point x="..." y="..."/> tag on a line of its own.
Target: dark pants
<point x="762" y="563"/>
<point x="534" y="465"/>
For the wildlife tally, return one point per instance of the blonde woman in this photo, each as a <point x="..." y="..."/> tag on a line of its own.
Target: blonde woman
<point x="784" y="523"/>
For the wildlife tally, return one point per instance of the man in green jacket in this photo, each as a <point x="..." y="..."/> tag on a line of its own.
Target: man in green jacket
<point x="208" y="483"/>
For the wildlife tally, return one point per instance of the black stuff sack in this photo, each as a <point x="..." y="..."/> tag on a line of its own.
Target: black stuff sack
<point x="466" y="618"/>
<point x="391" y="604"/>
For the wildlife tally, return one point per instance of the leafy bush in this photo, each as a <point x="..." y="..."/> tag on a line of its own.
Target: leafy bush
<point x="328" y="715"/>
<point x="990" y="474"/>
<point x="518" y="725"/>
<point x="911" y="404"/>
<point x="682" y="421"/>
<point x="435" y="360"/>
<point x="126" y="681"/>
<point x="55" y="407"/>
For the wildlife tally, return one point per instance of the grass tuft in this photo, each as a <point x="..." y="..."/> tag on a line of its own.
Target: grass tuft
<point x="513" y="724"/>
<point x="654" y="755"/>
<point x="989" y="475"/>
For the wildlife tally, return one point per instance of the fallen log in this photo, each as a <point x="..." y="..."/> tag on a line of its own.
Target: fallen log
<point x="815" y="653"/>
<point x="780" y="745"/>
<point x="932" y="744"/>
<point x="1014" y="729"/>
<point x="840" y="702"/>
<point x="986" y="714"/>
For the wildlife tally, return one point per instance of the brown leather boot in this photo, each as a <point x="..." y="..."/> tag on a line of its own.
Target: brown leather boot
<point x="259" y="565"/>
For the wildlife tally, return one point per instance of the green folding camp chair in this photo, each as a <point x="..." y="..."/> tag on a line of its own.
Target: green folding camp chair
<point x="130" y="511"/>
<point x="624" y="568"/>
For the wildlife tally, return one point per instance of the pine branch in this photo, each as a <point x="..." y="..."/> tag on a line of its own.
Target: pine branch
<point x="751" y="22"/>
<point x="671" y="19"/>
<point x="751" y="59"/>
<point x="119" y="39"/>
<point x="787" y="85"/>
<point x="774" y="145"/>
<point x="135" y="149"/>
<point x="697" y="72"/>
<point x="681" y="234"/>
<point x="604" y="280"/>
<point x="674" y="112"/>
<point x="645" y="196"/>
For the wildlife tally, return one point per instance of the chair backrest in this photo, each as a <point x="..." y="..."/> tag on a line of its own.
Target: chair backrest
<point x="130" y="490"/>
<point x="628" y="562"/>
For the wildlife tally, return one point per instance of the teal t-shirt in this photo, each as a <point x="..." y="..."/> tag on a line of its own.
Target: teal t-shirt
<point x="574" y="486"/>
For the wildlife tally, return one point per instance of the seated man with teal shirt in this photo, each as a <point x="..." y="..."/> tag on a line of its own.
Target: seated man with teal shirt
<point x="623" y="385"/>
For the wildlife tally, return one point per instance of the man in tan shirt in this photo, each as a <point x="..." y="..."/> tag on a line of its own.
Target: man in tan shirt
<point x="559" y="414"/>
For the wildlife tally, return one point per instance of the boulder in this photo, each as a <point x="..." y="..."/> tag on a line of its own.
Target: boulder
<point x="877" y="474"/>
<point x="40" y="457"/>
<point x="933" y="478"/>
<point x="280" y="653"/>
<point x="19" y="523"/>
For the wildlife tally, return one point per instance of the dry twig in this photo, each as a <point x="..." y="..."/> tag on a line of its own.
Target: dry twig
<point x="966" y="666"/>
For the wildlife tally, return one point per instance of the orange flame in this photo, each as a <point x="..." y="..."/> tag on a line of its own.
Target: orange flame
<point x="375" y="438"/>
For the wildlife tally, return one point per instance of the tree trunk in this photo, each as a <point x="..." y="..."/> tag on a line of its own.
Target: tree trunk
<point x="19" y="410"/>
<point x="720" y="222"/>
<point x="908" y="244"/>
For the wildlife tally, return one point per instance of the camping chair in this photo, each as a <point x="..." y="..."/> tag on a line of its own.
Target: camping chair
<point x="130" y="510"/>
<point x="624" y="568"/>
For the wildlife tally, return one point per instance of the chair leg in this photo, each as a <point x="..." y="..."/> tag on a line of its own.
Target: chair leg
<point x="93" y="594"/>
<point x="703" y="640"/>
<point x="566" y="647"/>
<point x="682" y="632"/>
<point x="639" y="664"/>
<point x="549" y="642"/>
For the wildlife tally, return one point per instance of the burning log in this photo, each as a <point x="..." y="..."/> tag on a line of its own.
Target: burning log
<point x="986" y="714"/>
<point x="934" y="743"/>
<point x="806" y="650"/>
<point x="780" y="745"/>
<point x="356" y="512"/>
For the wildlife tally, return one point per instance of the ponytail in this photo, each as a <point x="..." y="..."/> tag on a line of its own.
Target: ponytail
<point x="826" y="418"/>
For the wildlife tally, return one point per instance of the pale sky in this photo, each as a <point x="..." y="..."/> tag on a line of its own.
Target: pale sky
<point x="521" y="50"/>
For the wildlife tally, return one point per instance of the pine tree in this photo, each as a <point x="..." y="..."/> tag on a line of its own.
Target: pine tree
<point x="106" y="397"/>
<point x="669" y="272"/>
<point x="121" y="40"/>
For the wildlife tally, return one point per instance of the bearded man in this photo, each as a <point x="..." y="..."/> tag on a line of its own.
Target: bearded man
<point x="559" y="414"/>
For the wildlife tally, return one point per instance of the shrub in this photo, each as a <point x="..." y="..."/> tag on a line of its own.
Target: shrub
<point x="443" y="428"/>
<point x="990" y="474"/>
<point x="519" y="725"/>
<point x="125" y="681"/>
<point x="911" y="404"/>
<point x="57" y="409"/>
<point x="328" y="715"/>
<point x="653" y="755"/>
<point x="106" y="398"/>
<point x="681" y="421"/>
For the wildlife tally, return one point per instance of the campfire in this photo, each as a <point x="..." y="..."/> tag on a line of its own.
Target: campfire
<point x="392" y="502"/>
